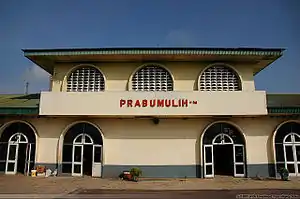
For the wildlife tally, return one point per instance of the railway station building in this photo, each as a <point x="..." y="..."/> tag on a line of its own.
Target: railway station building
<point x="172" y="112"/>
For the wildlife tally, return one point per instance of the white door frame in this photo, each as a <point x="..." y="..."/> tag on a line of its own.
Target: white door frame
<point x="235" y="163"/>
<point x="15" y="140"/>
<point x="292" y="143"/>
<point x="223" y="142"/>
<point x="76" y="163"/>
<point x="97" y="165"/>
<point x="295" y="162"/>
<point x="80" y="141"/>
<point x="14" y="161"/>
<point x="209" y="163"/>
<point x="28" y="159"/>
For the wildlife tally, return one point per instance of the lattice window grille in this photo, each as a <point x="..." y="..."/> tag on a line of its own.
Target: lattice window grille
<point x="86" y="79"/>
<point x="152" y="78"/>
<point x="219" y="78"/>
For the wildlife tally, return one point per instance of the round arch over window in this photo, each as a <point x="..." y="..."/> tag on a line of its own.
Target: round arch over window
<point x="152" y="78"/>
<point x="17" y="148"/>
<point x="292" y="138"/>
<point x="18" y="131"/>
<point x="287" y="147"/>
<point x="83" y="139"/>
<point x="85" y="79"/>
<point x="223" y="132"/>
<point x="83" y="131"/>
<point x="219" y="77"/>
<point x="18" y="138"/>
<point x="222" y="139"/>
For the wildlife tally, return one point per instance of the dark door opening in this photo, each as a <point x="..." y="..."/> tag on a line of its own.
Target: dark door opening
<point x="223" y="160"/>
<point x="21" y="158"/>
<point x="87" y="160"/>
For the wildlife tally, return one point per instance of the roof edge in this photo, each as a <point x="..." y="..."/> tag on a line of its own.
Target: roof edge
<point x="284" y="94"/>
<point x="154" y="48"/>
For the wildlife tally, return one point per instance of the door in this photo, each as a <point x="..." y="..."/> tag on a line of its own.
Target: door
<point x="297" y="155"/>
<point x="239" y="160"/>
<point x="77" y="160"/>
<point x="97" y="163"/>
<point x="208" y="161"/>
<point x="292" y="158"/>
<point x="27" y="159"/>
<point x="12" y="158"/>
<point x="289" y="159"/>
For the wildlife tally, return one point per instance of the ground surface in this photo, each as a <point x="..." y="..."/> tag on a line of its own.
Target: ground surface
<point x="196" y="194"/>
<point x="87" y="187"/>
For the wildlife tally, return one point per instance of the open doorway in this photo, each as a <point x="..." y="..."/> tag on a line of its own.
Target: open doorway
<point x="21" y="158"/>
<point x="223" y="151"/>
<point x="79" y="155"/>
<point x="87" y="160"/>
<point x="223" y="160"/>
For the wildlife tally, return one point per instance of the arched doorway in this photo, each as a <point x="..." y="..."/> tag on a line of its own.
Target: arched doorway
<point x="287" y="148"/>
<point x="17" y="148"/>
<point x="223" y="151"/>
<point x="82" y="150"/>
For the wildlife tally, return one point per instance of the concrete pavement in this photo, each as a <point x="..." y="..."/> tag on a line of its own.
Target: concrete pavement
<point x="87" y="187"/>
<point x="169" y="194"/>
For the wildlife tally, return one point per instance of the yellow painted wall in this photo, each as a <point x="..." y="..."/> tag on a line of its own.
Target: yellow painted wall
<point x="171" y="142"/>
<point x="258" y="132"/>
<point x="118" y="74"/>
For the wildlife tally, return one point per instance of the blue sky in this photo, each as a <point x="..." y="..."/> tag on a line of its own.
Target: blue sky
<point x="129" y="23"/>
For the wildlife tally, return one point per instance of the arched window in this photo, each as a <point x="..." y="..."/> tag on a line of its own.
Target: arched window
<point x="17" y="148"/>
<point x="219" y="78"/>
<point x="219" y="132"/>
<point x="86" y="79"/>
<point x="83" y="139"/>
<point x="222" y="139"/>
<point x="152" y="78"/>
<point x="18" y="138"/>
<point x="287" y="148"/>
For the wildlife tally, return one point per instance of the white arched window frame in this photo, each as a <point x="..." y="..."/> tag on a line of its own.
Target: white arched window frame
<point x="219" y="77"/>
<point x="222" y="139"/>
<point x="291" y="138"/>
<point x="152" y="77"/>
<point x="86" y="79"/>
<point x="83" y="139"/>
<point x="18" y="138"/>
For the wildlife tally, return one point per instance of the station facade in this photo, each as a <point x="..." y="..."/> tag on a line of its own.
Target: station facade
<point x="173" y="112"/>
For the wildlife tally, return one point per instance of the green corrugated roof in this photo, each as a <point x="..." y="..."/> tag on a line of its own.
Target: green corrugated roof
<point x="284" y="110"/>
<point x="283" y="103"/>
<point x="18" y="104"/>
<point x="155" y="51"/>
<point x="19" y="111"/>
<point x="283" y="100"/>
